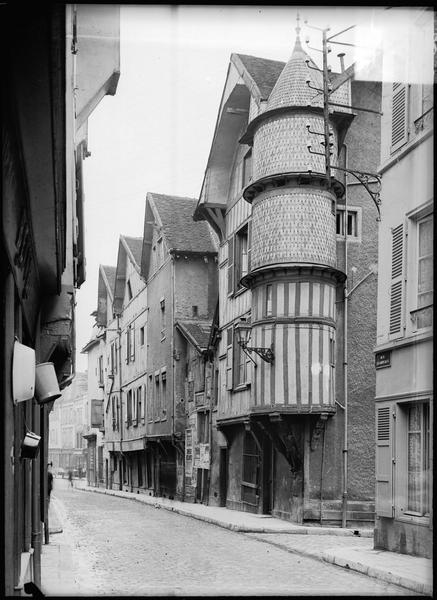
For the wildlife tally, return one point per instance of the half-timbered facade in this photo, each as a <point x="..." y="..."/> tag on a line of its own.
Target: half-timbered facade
<point x="280" y="424"/>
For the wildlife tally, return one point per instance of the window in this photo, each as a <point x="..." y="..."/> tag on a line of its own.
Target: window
<point x="151" y="407"/>
<point x="195" y="311"/>
<point x="396" y="290"/>
<point x="424" y="273"/>
<point x="113" y="358"/>
<point x="238" y="258"/>
<point x="142" y="336"/>
<point x="134" y="408"/>
<point x="347" y="223"/>
<point x="100" y="370"/>
<point x="269" y="300"/>
<point x="129" y="291"/>
<point x="418" y="455"/>
<point x="163" y="324"/>
<point x="229" y="354"/>
<point x="130" y="344"/>
<point x="203" y="427"/>
<point x="247" y="169"/>
<point x="240" y="364"/>
<point x="250" y="476"/>
<point x="399" y="130"/>
<point x="128" y="419"/>
<point x="332" y="367"/>
<point x="157" y="398"/>
<point x="163" y="411"/>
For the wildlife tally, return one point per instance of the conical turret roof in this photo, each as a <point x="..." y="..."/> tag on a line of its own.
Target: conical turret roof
<point x="291" y="88"/>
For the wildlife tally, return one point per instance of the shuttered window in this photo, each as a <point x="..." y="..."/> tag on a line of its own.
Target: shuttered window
<point x="231" y="265"/>
<point x="396" y="290"/>
<point x="384" y="462"/>
<point x="132" y="343"/>
<point x="238" y="257"/>
<point x="229" y="358"/>
<point x="399" y="130"/>
<point x="249" y="245"/>
<point x="134" y="408"/>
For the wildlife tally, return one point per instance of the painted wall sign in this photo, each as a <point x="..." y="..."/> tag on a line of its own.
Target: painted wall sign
<point x="383" y="359"/>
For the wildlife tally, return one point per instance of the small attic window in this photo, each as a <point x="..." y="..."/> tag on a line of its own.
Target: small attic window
<point x="129" y="291"/>
<point x="195" y="310"/>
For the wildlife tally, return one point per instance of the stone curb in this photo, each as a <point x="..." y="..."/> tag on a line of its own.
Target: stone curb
<point x="299" y="530"/>
<point x="387" y="576"/>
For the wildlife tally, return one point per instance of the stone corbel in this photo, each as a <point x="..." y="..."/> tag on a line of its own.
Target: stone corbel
<point x="318" y="430"/>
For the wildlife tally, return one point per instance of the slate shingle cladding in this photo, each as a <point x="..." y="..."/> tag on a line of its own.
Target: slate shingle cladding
<point x="135" y="245"/>
<point x="264" y="72"/>
<point x="110" y="276"/>
<point x="180" y="231"/>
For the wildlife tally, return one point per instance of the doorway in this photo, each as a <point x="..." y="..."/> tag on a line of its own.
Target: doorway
<point x="267" y="477"/>
<point x="223" y="476"/>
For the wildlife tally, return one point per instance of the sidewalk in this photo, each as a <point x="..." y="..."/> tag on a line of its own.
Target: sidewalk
<point x="348" y="548"/>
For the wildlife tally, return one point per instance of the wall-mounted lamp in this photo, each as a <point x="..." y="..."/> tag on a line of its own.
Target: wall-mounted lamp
<point x="243" y="332"/>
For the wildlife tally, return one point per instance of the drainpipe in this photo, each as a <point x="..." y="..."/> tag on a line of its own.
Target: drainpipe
<point x="172" y="349"/>
<point x="345" y="355"/>
<point x="173" y="362"/>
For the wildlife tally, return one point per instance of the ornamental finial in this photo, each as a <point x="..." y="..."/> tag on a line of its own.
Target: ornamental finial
<point x="298" y="27"/>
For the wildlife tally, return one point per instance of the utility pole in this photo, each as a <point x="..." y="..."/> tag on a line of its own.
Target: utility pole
<point x="366" y="179"/>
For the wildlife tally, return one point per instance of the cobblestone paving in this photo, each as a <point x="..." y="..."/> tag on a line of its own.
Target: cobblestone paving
<point x="121" y="547"/>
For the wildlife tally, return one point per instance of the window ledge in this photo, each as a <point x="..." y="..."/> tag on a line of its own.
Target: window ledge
<point x="415" y="519"/>
<point x="241" y="387"/>
<point x="404" y="341"/>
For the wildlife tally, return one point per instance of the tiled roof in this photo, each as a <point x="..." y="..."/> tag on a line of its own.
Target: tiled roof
<point x="180" y="230"/>
<point x="291" y="88"/>
<point x="264" y="72"/>
<point x="197" y="332"/>
<point x="110" y="275"/>
<point x="135" y="245"/>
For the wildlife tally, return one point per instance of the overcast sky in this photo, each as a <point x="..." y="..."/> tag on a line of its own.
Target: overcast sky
<point x="155" y="134"/>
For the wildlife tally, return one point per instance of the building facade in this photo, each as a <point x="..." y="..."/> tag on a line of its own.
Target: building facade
<point x="179" y="267"/>
<point x="56" y="74"/>
<point x="282" y="428"/>
<point x="404" y="348"/>
<point x="152" y="323"/>
<point x="67" y="447"/>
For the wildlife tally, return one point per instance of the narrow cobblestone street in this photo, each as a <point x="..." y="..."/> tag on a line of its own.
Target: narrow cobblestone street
<point x="120" y="547"/>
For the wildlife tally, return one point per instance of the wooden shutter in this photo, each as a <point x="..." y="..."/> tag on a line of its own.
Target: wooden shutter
<point x="127" y="345"/>
<point x="132" y="343"/>
<point x="396" y="289"/>
<point x="399" y="118"/>
<point x="231" y="265"/>
<point x="249" y="245"/>
<point x="229" y="358"/>
<point x="384" y="460"/>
